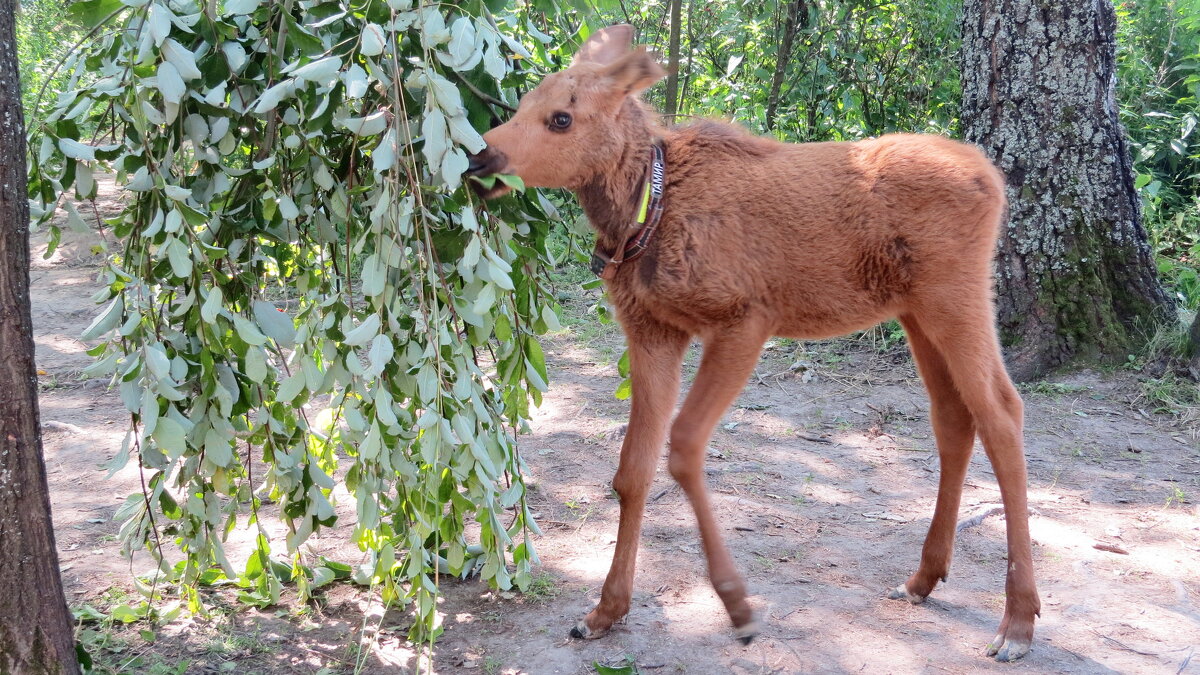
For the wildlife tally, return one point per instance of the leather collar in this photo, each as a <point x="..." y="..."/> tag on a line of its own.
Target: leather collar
<point x="650" y="208"/>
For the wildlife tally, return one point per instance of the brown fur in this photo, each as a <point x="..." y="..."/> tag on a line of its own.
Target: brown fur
<point x="761" y="238"/>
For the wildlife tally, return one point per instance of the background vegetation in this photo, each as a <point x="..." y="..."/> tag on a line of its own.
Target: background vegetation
<point x="854" y="69"/>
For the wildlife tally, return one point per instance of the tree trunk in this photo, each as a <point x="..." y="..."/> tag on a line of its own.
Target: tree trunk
<point x="36" y="630"/>
<point x="1194" y="347"/>
<point x="672" y="93"/>
<point x="797" y="16"/>
<point x="1076" y="278"/>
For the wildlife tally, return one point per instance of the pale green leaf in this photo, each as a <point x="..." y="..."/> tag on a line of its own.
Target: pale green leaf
<point x="235" y="55"/>
<point x="105" y="321"/>
<point x="454" y="164"/>
<point x="373" y="40"/>
<point x="433" y="27"/>
<point x="364" y="333"/>
<point x="76" y="150"/>
<point x="273" y="96"/>
<point x="277" y="324"/>
<point x="217" y="447"/>
<point x="287" y="207"/>
<point x="365" y="126"/>
<point x="158" y="22"/>
<point x="465" y="135"/>
<point x="433" y="128"/>
<point x="355" y="79"/>
<point x="180" y="258"/>
<point x="170" y="83"/>
<point x="170" y="437"/>
<point x="183" y="59"/>
<point x="322" y="71"/>
<point x="381" y="353"/>
<point x="247" y="331"/>
<point x="241" y="6"/>
<point x="213" y="305"/>
<point x="290" y="388"/>
<point x="256" y="365"/>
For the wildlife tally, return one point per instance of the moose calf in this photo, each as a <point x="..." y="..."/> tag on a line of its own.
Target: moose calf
<point x="706" y="231"/>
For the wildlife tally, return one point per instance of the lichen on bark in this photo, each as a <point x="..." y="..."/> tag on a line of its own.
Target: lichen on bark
<point x="1076" y="278"/>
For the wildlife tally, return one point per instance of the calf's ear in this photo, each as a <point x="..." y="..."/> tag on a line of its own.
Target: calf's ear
<point x="606" y="45"/>
<point x="633" y="72"/>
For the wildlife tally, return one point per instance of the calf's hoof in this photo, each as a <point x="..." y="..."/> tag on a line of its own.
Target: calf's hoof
<point x="582" y="631"/>
<point x="1007" y="650"/>
<point x="747" y="632"/>
<point x="901" y="592"/>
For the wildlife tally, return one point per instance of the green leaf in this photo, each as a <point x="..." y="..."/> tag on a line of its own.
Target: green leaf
<point x="213" y="305"/>
<point x="628" y="669"/>
<point x="277" y="324"/>
<point x="91" y="12"/>
<point x="126" y="614"/>
<point x="183" y="60"/>
<point x="76" y="150"/>
<point x="217" y="448"/>
<point x="373" y="40"/>
<point x="170" y="83"/>
<point x="247" y="331"/>
<point x="170" y="437"/>
<point x="105" y="321"/>
<point x="624" y="390"/>
<point x="180" y="257"/>
<point x="322" y="71"/>
<point x="514" y="182"/>
<point x="364" y="333"/>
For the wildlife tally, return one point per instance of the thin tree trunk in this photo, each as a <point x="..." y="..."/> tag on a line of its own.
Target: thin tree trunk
<point x="36" y="631"/>
<point x="1194" y="347"/>
<point x="797" y="16"/>
<point x="1076" y="276"/>
<point x="672" y="93"/>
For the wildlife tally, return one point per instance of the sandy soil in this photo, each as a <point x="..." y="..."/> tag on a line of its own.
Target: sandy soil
<point x="824" y="480"/>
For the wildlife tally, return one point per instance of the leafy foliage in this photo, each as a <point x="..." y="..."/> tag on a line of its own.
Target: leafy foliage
<point x="1159" y="71"/>
<point x="303" y="291"/>
<point x="856" y="69"/>
<point x="45" y="33"/>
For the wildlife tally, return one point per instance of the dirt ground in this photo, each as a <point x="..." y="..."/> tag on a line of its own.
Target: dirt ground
<point x="823" y="476"/>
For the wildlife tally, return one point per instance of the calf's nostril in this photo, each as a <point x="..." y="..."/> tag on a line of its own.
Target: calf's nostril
<point x="477" y="163"/>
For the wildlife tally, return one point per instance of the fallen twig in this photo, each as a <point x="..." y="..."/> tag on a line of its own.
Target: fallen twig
<point x="814" y="439"/>
<point x="1122" y="645"/>
<point x="978" y="518"/>
<point x="1111" y="548"/>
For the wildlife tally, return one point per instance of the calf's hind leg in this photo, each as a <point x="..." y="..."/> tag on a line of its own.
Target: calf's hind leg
<point x="724" y="369"/>
<point x="965" y="338"/>
<point x="954" y="430"/>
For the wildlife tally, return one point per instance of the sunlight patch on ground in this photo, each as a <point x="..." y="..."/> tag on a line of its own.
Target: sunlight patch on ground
<point x="697" y="610"/>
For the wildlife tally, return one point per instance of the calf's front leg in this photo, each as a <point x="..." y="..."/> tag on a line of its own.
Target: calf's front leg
<point x="655" y="355"/>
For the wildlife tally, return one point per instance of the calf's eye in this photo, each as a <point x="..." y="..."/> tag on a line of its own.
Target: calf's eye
<point x="559" y="121"/>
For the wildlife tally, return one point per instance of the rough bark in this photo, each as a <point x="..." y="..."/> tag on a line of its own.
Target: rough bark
<point x="1076" y="278"/>
<point x="796" y="17"/>
<point x="672" y="93"/>
<point x="36" y="630"/>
